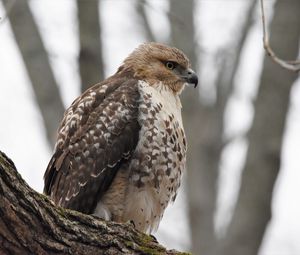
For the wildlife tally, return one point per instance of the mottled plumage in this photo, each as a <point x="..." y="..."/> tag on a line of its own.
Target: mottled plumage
<point x="121" y="147"/>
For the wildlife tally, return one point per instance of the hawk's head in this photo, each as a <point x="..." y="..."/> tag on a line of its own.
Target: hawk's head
<point x="155" y="62"/>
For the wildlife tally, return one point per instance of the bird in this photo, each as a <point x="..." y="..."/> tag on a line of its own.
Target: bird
<point x="121" y="147"/>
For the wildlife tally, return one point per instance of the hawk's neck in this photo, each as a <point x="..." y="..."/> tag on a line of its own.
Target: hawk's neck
<point x="161" y="94"/>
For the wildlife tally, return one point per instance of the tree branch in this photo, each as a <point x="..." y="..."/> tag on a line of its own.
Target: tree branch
<point x="231" y="61"/>
<point x="8" y="8"/>
<point x="293" y="65"/>
<point x="91" y="64"/>
<point x="253" y="211"/>
<point x="31" y="224"/>
<point x="36" y="61"/>
<point x="140" y="8"/>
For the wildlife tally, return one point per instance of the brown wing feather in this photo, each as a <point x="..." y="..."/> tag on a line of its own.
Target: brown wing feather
<point x="98" y="134"/>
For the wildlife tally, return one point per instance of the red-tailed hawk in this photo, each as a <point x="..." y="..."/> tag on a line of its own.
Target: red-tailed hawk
<point x="121" y="147"/>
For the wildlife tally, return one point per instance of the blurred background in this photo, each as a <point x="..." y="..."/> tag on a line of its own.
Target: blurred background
<point x="241" y="190"/>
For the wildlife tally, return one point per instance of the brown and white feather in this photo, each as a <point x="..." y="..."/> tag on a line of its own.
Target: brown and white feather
<point x="121" y="147"/>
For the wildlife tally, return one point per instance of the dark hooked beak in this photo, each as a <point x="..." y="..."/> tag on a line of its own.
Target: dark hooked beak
<point x="191" y="77"/>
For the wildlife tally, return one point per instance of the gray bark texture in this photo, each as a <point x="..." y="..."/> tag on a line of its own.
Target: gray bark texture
<point x="36" y="61"/>
<point x="253" y="209"/>
<point x="31" y="224"/>
<point x="90" y="56"/>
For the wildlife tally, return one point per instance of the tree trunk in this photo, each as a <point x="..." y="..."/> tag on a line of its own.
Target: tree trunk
<point x="37" y="64"/>
<point x="90" y="57"/>
<point x="253" y="209"/>
<point x="203" y="136"/>
<point x="231" y="60"/>
<point x="140" y="6"/>
<point x="31" y="224"/>
<point x="204" y="126"/>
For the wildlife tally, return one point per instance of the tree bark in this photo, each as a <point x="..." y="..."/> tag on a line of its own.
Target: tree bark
<point x="31" y="224"/>
<point x="90" y="57"/>
<point x="253" y="209"/>
<point x="36" y="61"/>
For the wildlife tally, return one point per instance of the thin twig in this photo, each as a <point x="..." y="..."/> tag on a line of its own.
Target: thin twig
<point x="293" y="65"/>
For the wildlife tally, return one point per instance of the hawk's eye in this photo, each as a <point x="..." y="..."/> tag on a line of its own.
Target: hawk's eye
<point x="170" y="65"/>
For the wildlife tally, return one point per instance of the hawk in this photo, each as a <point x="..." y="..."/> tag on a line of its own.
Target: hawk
<point x="121" y="147"/>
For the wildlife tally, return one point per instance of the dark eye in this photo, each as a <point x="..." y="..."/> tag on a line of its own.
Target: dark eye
<point x="170" y="65"/>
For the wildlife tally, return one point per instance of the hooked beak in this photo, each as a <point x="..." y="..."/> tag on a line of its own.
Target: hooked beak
<point x="190" y="77"/>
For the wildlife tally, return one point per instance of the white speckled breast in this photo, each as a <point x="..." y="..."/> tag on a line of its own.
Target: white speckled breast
<point x="159" y="159"/>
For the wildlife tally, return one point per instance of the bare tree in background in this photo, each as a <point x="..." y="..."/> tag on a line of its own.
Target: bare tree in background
<point x="36" y="61"/>
<point x="204" y="123"/>
<point x="253" y="209"/>
<point x="201" y="170"/>
<point x="140" y="6"/>
<point x="90" y="57"/>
